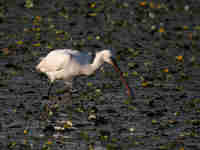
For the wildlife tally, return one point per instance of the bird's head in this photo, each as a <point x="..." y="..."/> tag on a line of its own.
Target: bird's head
<point x="107" y="56"/>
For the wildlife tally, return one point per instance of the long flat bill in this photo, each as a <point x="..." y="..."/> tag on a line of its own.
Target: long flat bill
<point x="117" y="69"/>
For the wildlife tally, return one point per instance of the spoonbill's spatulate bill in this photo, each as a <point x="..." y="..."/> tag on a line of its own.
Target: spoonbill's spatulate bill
<point x="65" y="64"/>
<point x="129" y="91"/>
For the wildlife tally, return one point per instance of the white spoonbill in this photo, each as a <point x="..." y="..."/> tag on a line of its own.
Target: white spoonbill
<point x="65" y="64"/>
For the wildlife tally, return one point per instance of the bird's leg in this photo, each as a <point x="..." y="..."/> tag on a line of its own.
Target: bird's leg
<point x="68" y="86"/>
<point x="67" y="96"/>
<point x="50" y="87"/>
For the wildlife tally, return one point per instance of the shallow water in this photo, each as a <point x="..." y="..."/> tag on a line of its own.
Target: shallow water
<point x="164" y="113"/>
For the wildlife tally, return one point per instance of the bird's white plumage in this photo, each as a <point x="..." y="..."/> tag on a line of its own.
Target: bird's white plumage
<point x="54" y="61"/>
<point x="65" y="64"/>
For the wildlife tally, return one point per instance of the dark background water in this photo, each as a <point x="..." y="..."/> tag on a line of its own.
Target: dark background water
<point x="156" y="44"/>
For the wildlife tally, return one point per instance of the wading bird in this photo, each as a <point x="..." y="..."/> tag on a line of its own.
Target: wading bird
<point x="65" y="64"/>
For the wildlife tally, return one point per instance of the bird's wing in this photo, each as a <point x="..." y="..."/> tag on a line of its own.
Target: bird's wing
<point x="72" y="52"/>
<point x="82" y="58"/>
<point x="54" y="61"/>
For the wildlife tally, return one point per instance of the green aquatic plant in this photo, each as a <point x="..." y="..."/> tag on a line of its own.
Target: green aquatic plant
<point x="85" y="135"/>
<point x="12" y="144"/>
<point x="29" y="4"/>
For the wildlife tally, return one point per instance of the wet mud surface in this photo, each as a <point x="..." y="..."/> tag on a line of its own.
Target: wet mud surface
<point x="156" y="44"/>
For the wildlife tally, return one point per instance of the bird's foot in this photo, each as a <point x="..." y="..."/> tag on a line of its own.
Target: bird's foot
<point x="73" y="90"/>
<point x="70" y="90"/>
<point x="45" y="97"/>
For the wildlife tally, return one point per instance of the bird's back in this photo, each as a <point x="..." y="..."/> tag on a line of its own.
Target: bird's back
<point x="58" y="58"/>
<point x="82" y="58"/>
<point x="54" y="61"/>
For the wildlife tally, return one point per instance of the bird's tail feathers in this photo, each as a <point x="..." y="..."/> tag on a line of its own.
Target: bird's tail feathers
<point x="41" y="58"/>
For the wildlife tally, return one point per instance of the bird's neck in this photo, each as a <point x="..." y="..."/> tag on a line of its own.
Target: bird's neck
<point x="89" y="69"/>
<point x="97" y="62"/>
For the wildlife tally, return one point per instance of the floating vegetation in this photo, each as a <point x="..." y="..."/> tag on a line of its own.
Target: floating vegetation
<point x="161" y="30"/>
<point x="68" y="124"/>
<point x="144" y="3"/>
<point x="166" y="70"/>
<point x="29" y="4"/>
<point x="5" y="51"/>
<point x="179" y="58"/>
<point x="36" y="45"/>
<point x="25" y="131"/>
<point x="157" y="46"/>
<point x="20" y="42"/>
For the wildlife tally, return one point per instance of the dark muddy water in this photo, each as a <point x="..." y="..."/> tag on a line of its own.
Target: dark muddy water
<point x="156" y="44"/>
